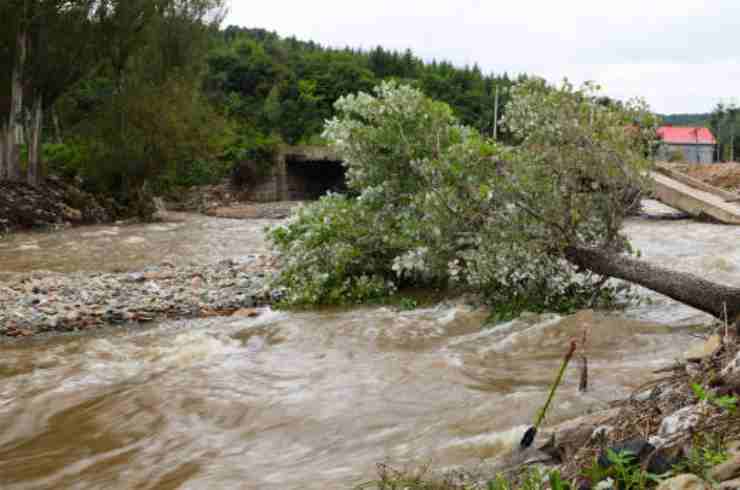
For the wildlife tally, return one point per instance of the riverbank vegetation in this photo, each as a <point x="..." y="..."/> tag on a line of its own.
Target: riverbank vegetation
<point x="671" y="433"/>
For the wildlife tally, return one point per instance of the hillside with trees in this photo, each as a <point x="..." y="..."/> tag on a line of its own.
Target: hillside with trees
<point x="283" y="90"/>
<point x="135" y="97"/>
<point x="691" y="120"/>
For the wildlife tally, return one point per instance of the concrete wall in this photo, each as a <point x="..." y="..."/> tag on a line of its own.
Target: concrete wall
<point x="692" y="153"/>
<point x="299" y="173"/>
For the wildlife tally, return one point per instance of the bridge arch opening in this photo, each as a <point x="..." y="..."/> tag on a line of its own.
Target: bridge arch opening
<point x="308" y="179"/>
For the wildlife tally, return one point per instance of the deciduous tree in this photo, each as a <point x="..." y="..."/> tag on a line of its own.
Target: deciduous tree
<point x="533" y="225"/>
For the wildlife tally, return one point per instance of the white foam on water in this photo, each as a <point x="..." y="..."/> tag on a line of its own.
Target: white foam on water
<point x="502" y="442"/>
<point x="28" y="246"/>
<point x="163" y="228"/>
<point x="102" y="233"/>
<point x="527" y="333"/>
<point x="135" y="240"/>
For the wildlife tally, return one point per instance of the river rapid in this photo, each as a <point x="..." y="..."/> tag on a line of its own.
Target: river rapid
<point x="312" y="399"/>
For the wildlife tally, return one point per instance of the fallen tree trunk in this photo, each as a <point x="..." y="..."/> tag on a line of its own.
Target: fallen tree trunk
<point x="687" y="288"/>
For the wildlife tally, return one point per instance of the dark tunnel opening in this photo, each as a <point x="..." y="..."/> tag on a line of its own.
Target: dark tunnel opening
<point x="310" y="179"/>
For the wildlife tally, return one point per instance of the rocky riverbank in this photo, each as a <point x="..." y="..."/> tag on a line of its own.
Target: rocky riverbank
<point x="43" y="302"/>
<point x="53" y="204"/>
<point x="678" y="432"/>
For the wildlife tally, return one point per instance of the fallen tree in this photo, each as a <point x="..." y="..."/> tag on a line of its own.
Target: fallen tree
<point x="534" y="226"/>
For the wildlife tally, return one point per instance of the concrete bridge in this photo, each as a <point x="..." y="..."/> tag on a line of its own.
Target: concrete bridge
<point x="299" y="173"/>
<point x="695" y="197"/>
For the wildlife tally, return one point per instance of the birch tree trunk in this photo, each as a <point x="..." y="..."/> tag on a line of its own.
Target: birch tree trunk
<point x="3" y="153"/>
<point x="57" y="126"/>
<point x="34" y="145"/>
<point x="15" y="119"/>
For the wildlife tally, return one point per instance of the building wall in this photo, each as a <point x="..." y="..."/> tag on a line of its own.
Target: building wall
<point x="696" y="153"/>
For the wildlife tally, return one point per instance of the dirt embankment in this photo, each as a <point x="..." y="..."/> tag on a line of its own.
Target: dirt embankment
<point x="723" y="175"/>
<point x="55" y="203"/>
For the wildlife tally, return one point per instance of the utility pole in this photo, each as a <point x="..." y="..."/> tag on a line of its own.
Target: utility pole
<point x="495" y="116"/>
<point x="733" y="112"/>
<point x="719" y="138"/>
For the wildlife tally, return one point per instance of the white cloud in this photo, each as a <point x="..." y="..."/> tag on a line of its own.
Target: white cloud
<point x="681" y="55"/>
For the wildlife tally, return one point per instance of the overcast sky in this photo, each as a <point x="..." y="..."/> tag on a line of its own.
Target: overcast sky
<point x="681" y="55"/>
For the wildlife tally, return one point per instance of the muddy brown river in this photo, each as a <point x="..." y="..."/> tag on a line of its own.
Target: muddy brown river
<point x="306" y="400"/>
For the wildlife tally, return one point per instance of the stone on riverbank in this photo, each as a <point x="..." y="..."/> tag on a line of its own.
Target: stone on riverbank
<point x="704" y="350"/>
<point x="727" y="470"/>
<point x="684" y="482"/>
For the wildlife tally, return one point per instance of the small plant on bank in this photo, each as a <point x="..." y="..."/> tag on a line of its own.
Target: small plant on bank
<point x="529" y="479"/>
<point x="532" y="479"/>
<point x="629" y="474"/>
<point x="706" y="452"/>
<point x="676" y="156"/>
<point x="408" y="304"/>
<point x="595" y="473"/>
<point x="624" y="470"/>
<point x="725" y="402"/>
<point x="557" y="482"/>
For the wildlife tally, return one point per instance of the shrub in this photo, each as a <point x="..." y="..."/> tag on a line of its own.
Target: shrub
<point x="250" y="156"/>
<point x="331" y="258"/>
<point x="676" y="156"/>
<point x="160" y="135"/>
<point x="65" y="159"/>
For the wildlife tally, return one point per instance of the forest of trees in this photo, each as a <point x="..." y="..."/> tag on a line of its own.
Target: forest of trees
<point x="123" y="93"/>
<point x="286" y="88"/>
<point x="691" y="120"/>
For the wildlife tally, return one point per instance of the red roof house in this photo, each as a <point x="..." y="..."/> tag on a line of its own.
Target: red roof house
<point x="697" y="145"/>
<point x="686" y="136"/>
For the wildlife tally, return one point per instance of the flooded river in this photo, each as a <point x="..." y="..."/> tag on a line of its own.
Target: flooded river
<point x="306" y="400"/>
